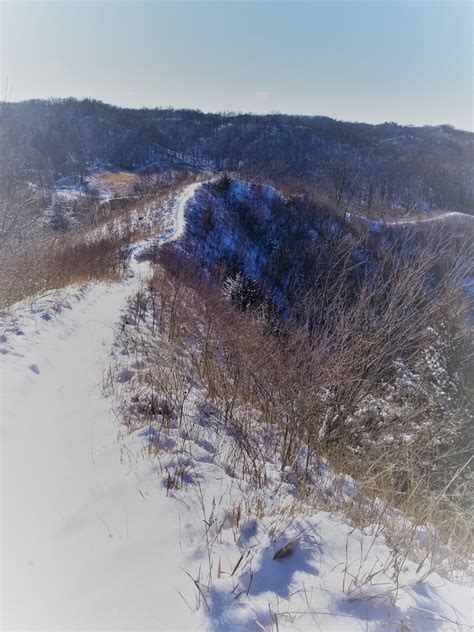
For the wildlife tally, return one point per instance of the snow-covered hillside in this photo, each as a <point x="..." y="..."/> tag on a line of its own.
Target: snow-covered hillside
<point x="264" y="555"/>
<point x="105" y="529"/>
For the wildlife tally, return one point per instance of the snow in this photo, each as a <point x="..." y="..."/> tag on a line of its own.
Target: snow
<point x="88" y="539"/>
<point x="377" y="224"/>
<point x="179" y="210"/>
<point x="79" y="541"/>
<point x="434" y="218"/>
<point x="336" y="577"/>
<point x="94" y="538"/>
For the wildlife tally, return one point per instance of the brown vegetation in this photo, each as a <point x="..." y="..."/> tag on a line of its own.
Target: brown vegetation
<point x="57" y="263"/>
<point x="96" y="250"/>
<point x="310" y="382"/>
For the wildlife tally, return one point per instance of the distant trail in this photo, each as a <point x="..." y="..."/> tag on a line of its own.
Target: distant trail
<point x="435" y="218"/>
<point x="89" y="541"/>
<point x="406" y="221"/>
<point x="179" y="210"/>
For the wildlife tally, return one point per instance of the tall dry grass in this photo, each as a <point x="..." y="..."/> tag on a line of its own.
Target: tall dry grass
<point x="307" y="382"/>
<point x="56" y="263"/>
<point x="95" y="251"/>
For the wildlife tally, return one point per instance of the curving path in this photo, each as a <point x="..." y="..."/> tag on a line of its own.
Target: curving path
<point x="89" y="541"/>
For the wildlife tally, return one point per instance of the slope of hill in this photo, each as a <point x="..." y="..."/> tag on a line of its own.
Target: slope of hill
<point x="370" y="166"/>
<point x="170" y="501"/>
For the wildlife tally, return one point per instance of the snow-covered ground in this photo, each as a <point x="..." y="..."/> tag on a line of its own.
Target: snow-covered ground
<point x="179" y="209"/>
<point x="434" y="218"/>
<point x="82" y="518"/>
<point x="88" y="539"/>
<point x="375" y="224"/>
<point x="262" y="556"/>
<point x="92" y="540"/>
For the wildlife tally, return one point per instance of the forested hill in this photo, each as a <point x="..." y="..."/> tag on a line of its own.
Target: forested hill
<point x="384" y="167"/>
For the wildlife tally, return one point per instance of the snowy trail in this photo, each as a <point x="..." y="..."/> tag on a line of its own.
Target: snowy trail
<point x="88" y="538"/>
<point x="179" y="208"/>
<point x="435" y="218"/>
<point x="374" y="223"/>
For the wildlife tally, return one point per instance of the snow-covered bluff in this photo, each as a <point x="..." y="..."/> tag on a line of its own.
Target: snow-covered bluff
<point x="90" y="539"/>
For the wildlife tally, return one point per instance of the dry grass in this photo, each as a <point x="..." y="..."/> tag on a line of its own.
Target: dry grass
<point x="116" y="182"/>
<point x="184" y="331"/>
<point x="54" y="264"/>
<point x="95" y="252"/>
<point x="123" y="209"/>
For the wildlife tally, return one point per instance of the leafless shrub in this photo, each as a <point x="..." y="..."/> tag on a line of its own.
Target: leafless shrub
<point x="303" y="392"/>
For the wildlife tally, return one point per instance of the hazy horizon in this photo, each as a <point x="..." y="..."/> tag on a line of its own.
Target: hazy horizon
<point x="403" y="62"/>
<point x="231" y="113"/>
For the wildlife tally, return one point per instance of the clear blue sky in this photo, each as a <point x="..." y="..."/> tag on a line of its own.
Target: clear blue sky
<point x="403" y="61"/>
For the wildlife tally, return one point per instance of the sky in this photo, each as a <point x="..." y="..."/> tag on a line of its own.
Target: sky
<point x="404" y="61"/>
